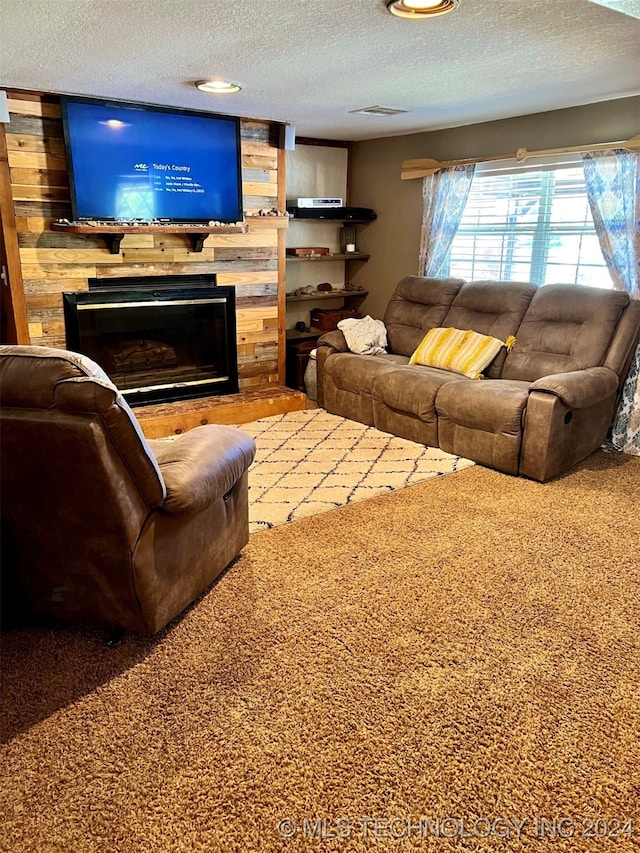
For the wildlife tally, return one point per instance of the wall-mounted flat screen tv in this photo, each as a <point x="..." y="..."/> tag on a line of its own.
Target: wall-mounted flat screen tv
<point x="137" y="162"/>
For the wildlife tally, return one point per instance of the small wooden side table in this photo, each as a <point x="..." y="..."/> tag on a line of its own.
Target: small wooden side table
<point x="297" y="355"/>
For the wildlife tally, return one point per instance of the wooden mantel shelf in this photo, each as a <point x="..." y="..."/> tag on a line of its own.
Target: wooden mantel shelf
<point x="115" y="233"/>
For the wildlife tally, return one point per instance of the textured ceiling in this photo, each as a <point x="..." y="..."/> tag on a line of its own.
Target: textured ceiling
<point x="310" y="62"/>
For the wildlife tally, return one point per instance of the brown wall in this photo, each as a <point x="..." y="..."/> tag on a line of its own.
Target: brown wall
<point x="52" y="262"/>
<point x="393" y="239"/>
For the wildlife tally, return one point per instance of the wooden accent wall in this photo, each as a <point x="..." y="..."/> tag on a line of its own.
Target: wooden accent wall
<point x="52" y="261"/>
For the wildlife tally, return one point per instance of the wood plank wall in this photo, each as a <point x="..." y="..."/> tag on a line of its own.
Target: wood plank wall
<point x="53" y="262"/>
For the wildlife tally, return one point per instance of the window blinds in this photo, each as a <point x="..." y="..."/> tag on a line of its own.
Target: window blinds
<point x="528" y="223"/>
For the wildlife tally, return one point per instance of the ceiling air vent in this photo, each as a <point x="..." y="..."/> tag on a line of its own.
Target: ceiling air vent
<point x="378" y="111"/>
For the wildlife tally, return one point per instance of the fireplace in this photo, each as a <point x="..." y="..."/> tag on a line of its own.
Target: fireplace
<point x="159" y="338"/>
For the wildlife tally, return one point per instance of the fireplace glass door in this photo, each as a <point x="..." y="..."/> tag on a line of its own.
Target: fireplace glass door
<point x="158" y="344"/>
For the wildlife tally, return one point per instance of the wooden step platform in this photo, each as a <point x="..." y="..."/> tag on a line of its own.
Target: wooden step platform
<point x="174" y="418"/>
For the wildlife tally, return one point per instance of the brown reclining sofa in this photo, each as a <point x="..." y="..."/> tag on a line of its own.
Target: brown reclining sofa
<point x="543" y="406"/>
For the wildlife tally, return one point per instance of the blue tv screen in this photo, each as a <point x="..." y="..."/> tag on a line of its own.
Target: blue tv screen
<point x="130" y="162"/>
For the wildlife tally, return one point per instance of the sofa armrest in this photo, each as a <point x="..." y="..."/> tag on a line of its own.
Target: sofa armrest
<point x="329" y="343"/>
<point x="579" y="389"/>
<point x="201" y="466"/>
<point x="335" y="339"/>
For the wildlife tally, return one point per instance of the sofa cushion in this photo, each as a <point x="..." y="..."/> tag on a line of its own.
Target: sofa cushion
<point x="412" y="389"/>
<point x="356" y="373"/>
<point x="417" y="305"/>
<point x="483" y="421"/>
<point x="493" y="308"/>
<point x="462" y="351"/>
<point x="347" y="382"/>
<point x="495" y="405"/>
<point x="567" y="327"/>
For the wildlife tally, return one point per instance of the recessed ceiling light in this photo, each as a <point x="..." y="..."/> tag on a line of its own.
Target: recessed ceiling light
<point x="420" y="8"/>
<point x="218" y="87"/>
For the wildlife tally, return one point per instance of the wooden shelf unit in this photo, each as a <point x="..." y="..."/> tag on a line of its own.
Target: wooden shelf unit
<point x="348" y="256"/>
<point x="351" y="298"/>
<point x="351" y="295"/>
<point x="300" y="343"/>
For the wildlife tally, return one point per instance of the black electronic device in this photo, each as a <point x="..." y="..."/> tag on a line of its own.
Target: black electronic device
<point x="342" y="214"/>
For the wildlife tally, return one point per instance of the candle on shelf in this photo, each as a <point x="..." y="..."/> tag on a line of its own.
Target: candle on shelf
<point x="350" y="247"/>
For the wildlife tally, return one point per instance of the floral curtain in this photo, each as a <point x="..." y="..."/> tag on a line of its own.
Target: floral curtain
<point x="444" y="197"/>
<point x="612" y="180"/>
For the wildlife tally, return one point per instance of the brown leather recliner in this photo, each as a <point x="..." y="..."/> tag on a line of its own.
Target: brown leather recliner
<point x="100" y="525"/>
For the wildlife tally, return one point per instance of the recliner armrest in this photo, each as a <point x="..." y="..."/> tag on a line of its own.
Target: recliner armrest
<point x="334" y="339"/>
<point x="579" y="389"/>
<point x="201" y="466"/>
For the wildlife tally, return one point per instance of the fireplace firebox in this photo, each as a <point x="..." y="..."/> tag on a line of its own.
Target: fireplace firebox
<point x="159" y="338"/>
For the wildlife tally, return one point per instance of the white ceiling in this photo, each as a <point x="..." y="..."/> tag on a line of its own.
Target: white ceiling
<point x="310" y="62"/>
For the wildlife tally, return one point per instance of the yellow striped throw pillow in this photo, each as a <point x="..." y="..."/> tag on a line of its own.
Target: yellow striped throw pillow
<point x="462" y="351"/>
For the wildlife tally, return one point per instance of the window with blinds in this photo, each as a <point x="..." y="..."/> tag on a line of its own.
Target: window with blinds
<point x="528" y="223"/>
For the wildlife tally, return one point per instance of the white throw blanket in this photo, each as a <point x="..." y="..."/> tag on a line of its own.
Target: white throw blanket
<point x="366" y="336"/>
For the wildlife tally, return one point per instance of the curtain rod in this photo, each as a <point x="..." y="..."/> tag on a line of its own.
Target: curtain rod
<point x="425" y="166"/>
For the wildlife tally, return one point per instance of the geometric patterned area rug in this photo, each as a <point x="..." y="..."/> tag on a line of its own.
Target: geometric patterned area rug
<point x="310" y="461"/>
